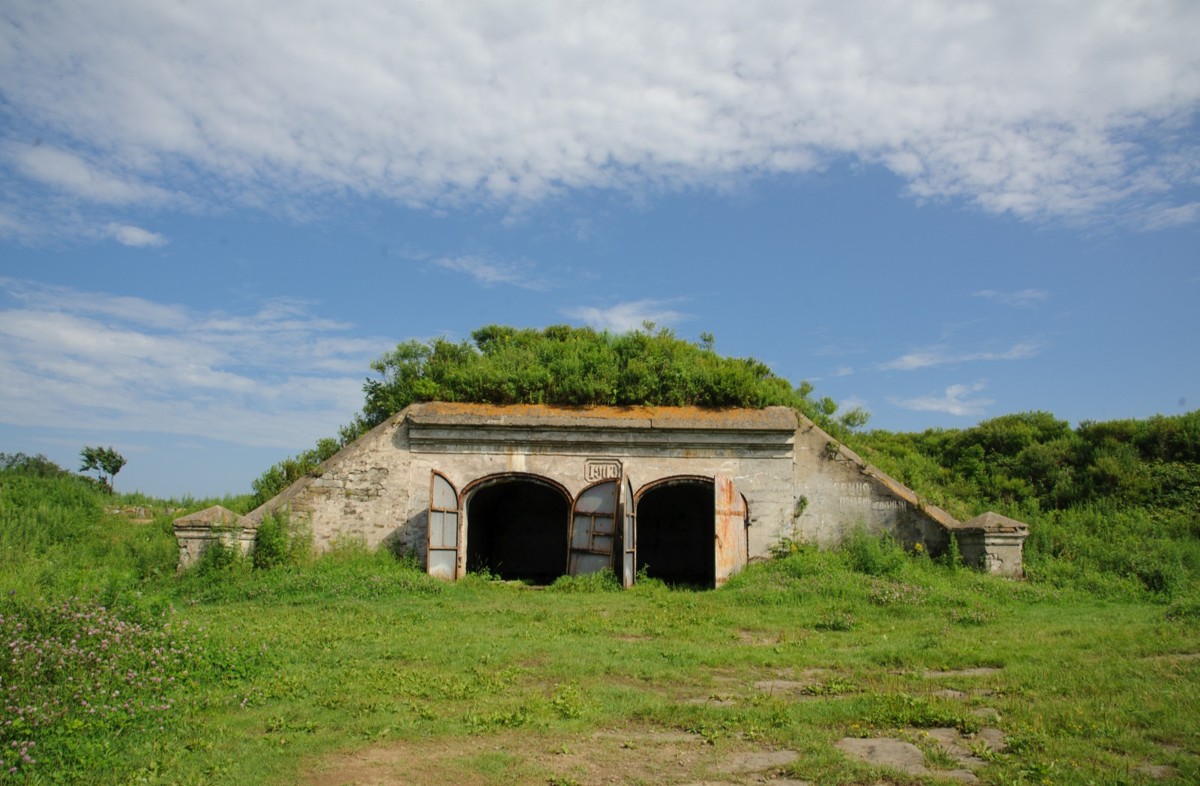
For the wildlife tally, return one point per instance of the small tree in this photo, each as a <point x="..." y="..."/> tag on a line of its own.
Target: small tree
<point x="106" y="461"/>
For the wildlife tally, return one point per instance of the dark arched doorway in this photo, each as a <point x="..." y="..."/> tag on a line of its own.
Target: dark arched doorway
<point x="517" y="529"/>
<point x="675" y="532"/>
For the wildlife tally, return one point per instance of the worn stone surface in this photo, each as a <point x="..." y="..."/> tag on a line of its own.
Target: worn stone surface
<point x="797" y="482"/>
<point x="978" y="671"/>
<point x="886" y="752"/>
<point x="757" y="761"/>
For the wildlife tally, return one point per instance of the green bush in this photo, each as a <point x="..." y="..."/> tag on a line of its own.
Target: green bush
<point x="873" y="555"/>
<point x="218" y="557"/>
<point x="276" y="543"/>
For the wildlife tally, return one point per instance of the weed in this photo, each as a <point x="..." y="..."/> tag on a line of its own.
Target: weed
<point x="874" y="556"/>
<point x="833" y="687"/>
<point x="600" y="581"/>
<point x="900" y="710"/>
<point x="882" y="592"/>
<point x="835" y="621"/>
<point x="567" y="701"/>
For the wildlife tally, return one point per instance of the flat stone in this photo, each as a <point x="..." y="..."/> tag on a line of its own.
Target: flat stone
<point x="951" y="741"/>
<point x="712" y="701"/>
<point x="949" y="693"/>
<point x="987" y="713"/>
<point x="994" y="739"/>
<point x="979" y="671"/>
<point x="780" y="686"/>
<point x="756" y="761"/>
<point x="886" y="752"/>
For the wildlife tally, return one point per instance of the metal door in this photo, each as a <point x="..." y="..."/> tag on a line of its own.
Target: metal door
<point x="628" y="535"/>
<point x="593" y="529"/>
<point x="442" y="554"/>
<point x="730" y="526"/>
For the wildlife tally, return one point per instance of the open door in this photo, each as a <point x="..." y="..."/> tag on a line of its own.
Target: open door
<point x="442" y="553"/>
<point x="594" y="529"/>
<point x="628" y="535"/>
<point x="730" y="526"/>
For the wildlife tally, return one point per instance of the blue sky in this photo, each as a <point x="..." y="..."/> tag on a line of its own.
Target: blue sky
<point x="214" y="215"/>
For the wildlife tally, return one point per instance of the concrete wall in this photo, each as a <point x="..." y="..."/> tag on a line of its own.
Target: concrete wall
<point x="798" y="483"/>
<point x="838" y="493"/>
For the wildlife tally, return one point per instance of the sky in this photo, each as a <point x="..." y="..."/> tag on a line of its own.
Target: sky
<point x="215" y="214"/>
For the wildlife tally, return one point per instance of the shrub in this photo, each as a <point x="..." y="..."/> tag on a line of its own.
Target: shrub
<point x="277" y="542"/>
<point x="218" y="557"/>
<point x="873" y="555"/>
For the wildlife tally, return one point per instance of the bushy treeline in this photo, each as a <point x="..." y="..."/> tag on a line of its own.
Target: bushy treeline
<point x="1035" y="462"/>
<point x="1105" y="501"/>
<point x="565" y="366"/>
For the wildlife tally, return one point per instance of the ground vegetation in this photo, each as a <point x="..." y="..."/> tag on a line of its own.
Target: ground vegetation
<point x="282" y="666"/>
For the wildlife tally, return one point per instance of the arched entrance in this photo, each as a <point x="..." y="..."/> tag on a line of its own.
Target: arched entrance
<point x="517" y="528"/>
<point x="675" y="531"/>
<point x="692" y="530"/>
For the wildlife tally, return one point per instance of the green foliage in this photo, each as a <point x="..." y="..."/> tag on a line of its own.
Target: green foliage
<point x="39" y="465"/>
<point x="874" y="556"/>
<point x="569" y="366"/>
<point x="276" y="544"/>
<point x="288" y="471"/>
<point x="78" y="677"/>
<point x="219" y="557"/>
<point x="952" y="559"/>
<point x="105" y="461"/>
<point x="349" y="571"/>
<point x="1111" y="506"/>
<point x="56" y="538"/>
<point x="600" y="581"/>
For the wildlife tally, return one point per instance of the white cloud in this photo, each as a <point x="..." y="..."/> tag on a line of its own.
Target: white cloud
<point x="627" y="316"/>
<point x="1025" y="298"/>
<point x="941" y="356"/>
<point x="134" y="236"/>
<point x="1073" y="109"/>
<point x="954" y="401"/>
<point x="97" y="361"/>
<point x="489" y="272"/>
<point x="843" y="371"/>
<point x="71" y="174"/>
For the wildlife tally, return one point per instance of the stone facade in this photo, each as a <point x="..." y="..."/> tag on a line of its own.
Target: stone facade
<point x="536" y="491"/>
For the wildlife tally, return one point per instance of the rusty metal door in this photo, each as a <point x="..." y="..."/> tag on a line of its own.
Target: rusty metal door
<point x="593" y="529"/>
<point x="730" y="526"/>
<point x="628" y="535"/>
<point x="442" y="553"/>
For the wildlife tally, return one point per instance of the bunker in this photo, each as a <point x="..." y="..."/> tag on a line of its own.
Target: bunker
<point x="531" y="493"/>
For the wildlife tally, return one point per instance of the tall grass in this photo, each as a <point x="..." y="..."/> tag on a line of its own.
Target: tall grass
<point x="56" y="539"/>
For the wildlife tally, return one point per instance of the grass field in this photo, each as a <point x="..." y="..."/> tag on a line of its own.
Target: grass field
<point x="490" y="683"/>
<point x="355" y="667"/>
